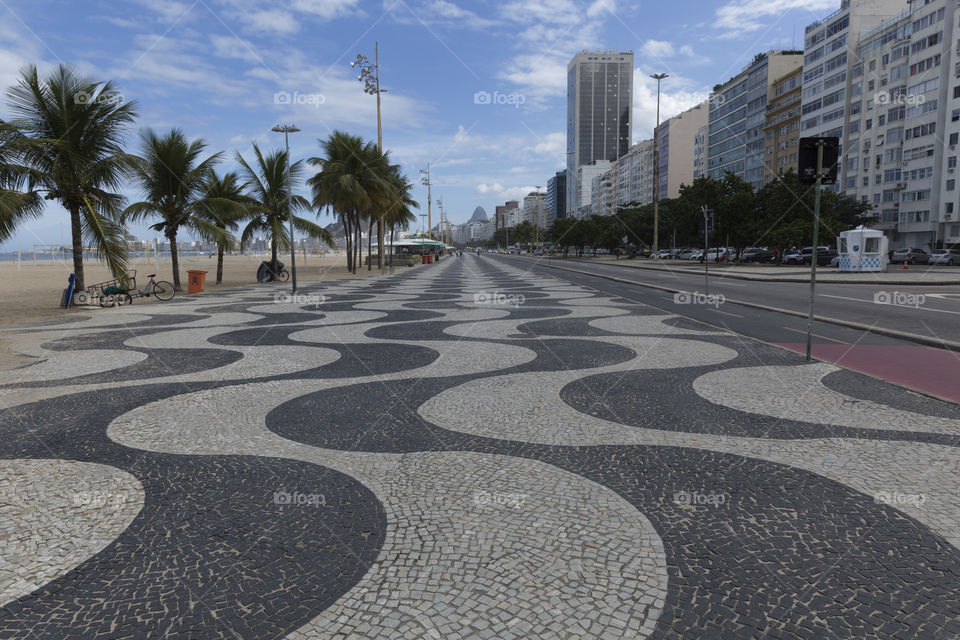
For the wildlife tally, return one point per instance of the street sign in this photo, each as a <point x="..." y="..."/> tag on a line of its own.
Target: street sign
<point x="706" y="218"/>
<point x="807" y="168"/>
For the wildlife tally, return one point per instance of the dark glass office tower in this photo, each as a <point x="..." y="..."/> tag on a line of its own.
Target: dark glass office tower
<point x="599" y="101"/>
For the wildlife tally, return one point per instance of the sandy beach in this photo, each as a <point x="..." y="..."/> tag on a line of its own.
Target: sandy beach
<point x="31" y="292"/>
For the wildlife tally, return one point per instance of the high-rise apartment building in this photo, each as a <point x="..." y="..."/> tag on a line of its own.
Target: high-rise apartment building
<point x="678" y="139"/>
<point x="783" y="125"/>
<point x="902" y="131"/>
<point x="556" y="197"/>
<point x="599" y="101"/>
<point x="738" y="114"/>
<point x="535" y="209"/>
<point x="501" y="214"/>
<point x="584" y="187"/>
<point x="700" y="150"/>
<point x="829" y="57"/>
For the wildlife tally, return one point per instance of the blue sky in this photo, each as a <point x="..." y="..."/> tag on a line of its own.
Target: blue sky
<point x="214" y="68"/>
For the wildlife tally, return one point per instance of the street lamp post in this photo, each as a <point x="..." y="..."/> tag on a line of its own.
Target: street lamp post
<point x="286" y="130"/>
<point x="370" y="76"/>
<point x="425" y="180"/>
<point x="656" y="171"/>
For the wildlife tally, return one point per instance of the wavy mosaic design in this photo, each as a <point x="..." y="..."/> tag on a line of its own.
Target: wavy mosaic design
<point x="415" y="457"/>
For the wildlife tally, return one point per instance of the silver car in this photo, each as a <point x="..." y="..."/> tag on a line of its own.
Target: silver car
<point x="948" y="257"/>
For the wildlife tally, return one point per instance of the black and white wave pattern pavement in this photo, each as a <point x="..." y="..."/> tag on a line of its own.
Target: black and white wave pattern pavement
<point x="462" y="451"/>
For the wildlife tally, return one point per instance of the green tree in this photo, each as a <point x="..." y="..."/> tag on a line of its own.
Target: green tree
<point x="269" y="185"/>
<point x="225" y="204"/>
<point x="173" y="179"/>
<point x="67" y="137"/>
<point x="353" y="178"/>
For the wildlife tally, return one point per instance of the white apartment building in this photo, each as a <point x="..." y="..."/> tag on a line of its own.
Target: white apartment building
<point x="535" y="209"/>
<point x="603" y="195"/>
<point x="904" y="98"/>
<point x="700" y="145"/>
<point x="678" y="140"/>
<point x="584" y="186"/>
<point x="830" y="46"/>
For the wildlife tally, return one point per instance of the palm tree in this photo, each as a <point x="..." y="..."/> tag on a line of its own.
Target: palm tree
<point x="398" y="212"/>
<point x="15" y="207"/>
<point x="173" y="179"/>
<point x="226" y="205"/>
<point x="269" y="188"/>
<point x="353" y="178"/>
<point x="67" y="139"/>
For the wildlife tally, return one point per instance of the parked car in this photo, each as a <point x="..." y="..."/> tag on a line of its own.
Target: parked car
<point x="948" y="257"/>
<point x="911" y="255"/>
<point x="805" y="256"/>
<point x="696" y="254"/>
<point x="719" y="254"/>
<point x="754" y="254"/>
<point x="686" y="253"/>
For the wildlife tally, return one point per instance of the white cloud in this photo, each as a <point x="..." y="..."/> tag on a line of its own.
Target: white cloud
<point x="553" y="145"/>
<point x="484" y="188"/>
<point x="277" y="21"/>
<point x="677" y="94"/>
<point x="326" y="9"/>
<point x="599" y="7"/>
<point x="436" y="12"/>
<point x="657" y="49"/>
<point x="745" y="15"/>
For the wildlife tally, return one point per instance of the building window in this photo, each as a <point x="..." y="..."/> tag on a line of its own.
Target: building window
<point x="951" y="185"/>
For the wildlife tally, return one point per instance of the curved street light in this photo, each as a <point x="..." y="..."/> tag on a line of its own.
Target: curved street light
<point x="286" y="130"/>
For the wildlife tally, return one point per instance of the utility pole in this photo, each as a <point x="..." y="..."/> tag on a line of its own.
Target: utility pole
<point x="370" y="76"/>
<point x="656" y="171"/>
<point x="425" y="179"/>
<point x="440" y="206"/>
<point x="286" y="130"/>
<point x="537" y="223"/>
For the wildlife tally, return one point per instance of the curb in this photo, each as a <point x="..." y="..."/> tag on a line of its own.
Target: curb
<point x="792" y="279"/>
<point x="947" y="345"/>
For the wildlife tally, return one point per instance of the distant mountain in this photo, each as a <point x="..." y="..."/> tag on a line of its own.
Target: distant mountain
<point x="479" y="215"/>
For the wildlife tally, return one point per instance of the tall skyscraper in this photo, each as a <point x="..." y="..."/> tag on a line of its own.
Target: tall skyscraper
<point x="599" y="100"/>
<point x="556" y="197"/>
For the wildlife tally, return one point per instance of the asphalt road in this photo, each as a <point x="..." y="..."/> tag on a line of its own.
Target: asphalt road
<point x="931" y="311"/>
<point x="902" y="361"/>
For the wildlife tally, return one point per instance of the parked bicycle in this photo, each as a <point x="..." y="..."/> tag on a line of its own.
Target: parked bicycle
<point x="115" y="294"/>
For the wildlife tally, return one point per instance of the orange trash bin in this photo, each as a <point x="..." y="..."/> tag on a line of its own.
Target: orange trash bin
<point x="196" y="280"/>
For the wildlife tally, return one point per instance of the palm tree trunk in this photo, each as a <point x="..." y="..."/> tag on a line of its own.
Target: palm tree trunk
<point x="369" y="245"/>
<point x="273" y="255"/>
<point x="348" y="237"/>
<point x="381" y="230"/>
<point x="78" y="284"/>
<point x="219" y="264"/>
<point x="358" y="244"/>
<point x="393" y="231"/>
<point x="175" y="259"/>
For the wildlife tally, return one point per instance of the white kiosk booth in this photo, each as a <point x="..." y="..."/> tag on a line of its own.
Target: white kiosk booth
<point x="862" y="249"/>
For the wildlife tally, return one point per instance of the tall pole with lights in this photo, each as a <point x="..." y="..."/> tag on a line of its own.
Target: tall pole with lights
<point x="286" y="130"/>
<point x="425" y="180"/>
<point x="656" y="171"/>
<point x="370" y="76"/>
